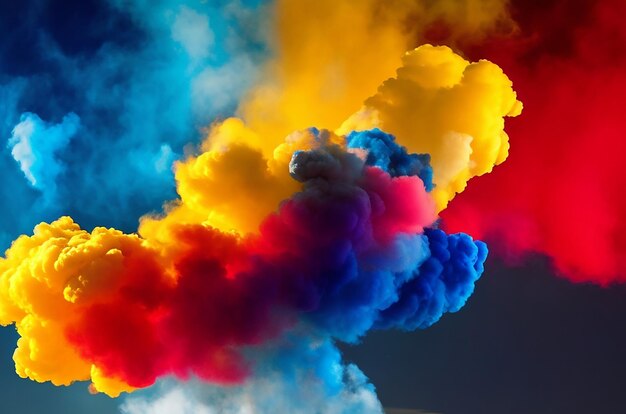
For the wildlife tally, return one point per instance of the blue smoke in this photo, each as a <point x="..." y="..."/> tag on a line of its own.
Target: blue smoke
<point x="443" y="282"/>
<point x="143" y="77"/>
<point x="349" y="283"/>
<point x="409" y="284"/>
<point x="297" y="374"/>
<point x="384" y="152"/>
<point x="34" y="145"/>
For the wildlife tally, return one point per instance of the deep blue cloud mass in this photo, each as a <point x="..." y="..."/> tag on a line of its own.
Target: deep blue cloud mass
<point x="443" y="283"/>
<point x="407" y="284"/>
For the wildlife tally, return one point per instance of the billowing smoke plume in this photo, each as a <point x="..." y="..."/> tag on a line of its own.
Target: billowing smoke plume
<point x="346" y="253"/>
<point x="280" y="242"/>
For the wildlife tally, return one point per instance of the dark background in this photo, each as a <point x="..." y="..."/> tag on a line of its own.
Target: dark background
<point x="526" y="343"/>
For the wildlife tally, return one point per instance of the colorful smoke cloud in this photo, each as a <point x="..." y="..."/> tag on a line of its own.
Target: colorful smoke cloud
<point x="313" y="216"/>
<point x="331" y="235"/>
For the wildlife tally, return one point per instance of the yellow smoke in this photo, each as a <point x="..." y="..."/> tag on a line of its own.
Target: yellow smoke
<point x="232" y="185"/>
<point x="331" y="55"/>
<point x="45" y="282"/>
<point x="441" y="104"/>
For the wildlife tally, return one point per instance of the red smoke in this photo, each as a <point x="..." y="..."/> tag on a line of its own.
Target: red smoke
<point x="154" y="324"/>
<point x="562" y="192"/>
